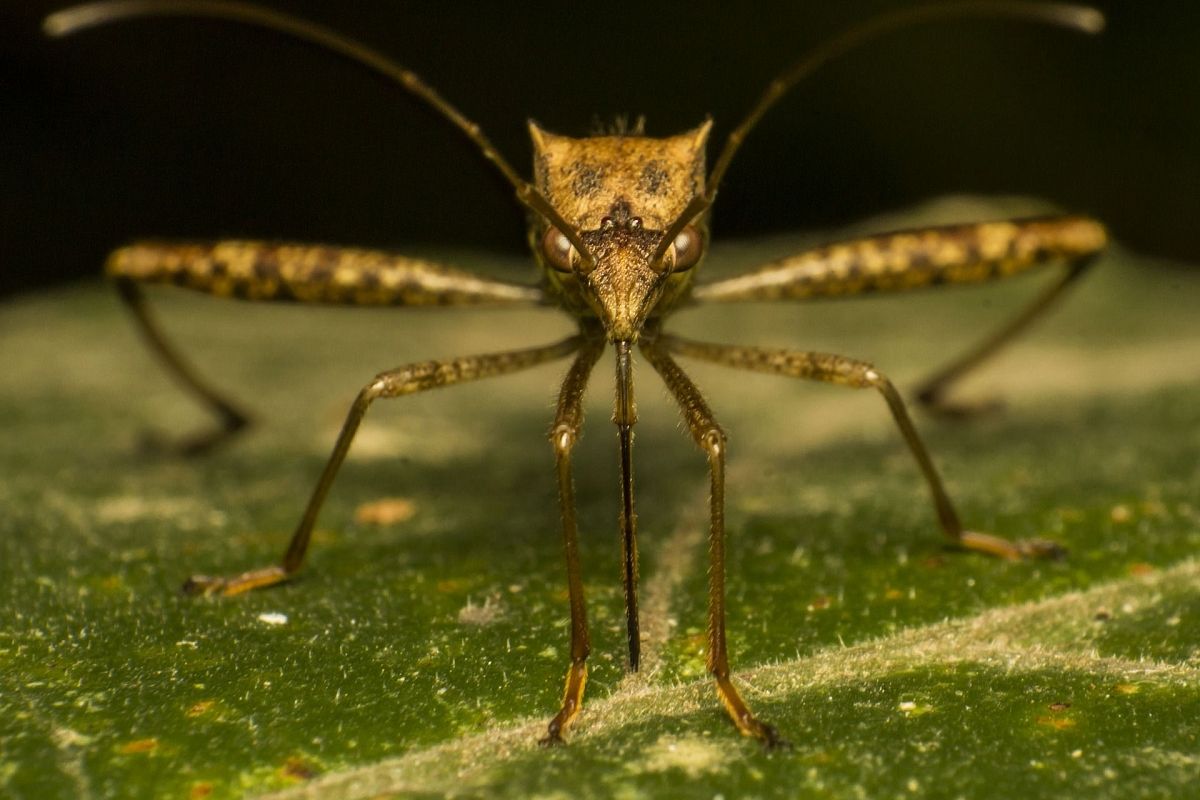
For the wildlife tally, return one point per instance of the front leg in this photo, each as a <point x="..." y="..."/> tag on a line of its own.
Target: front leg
<point x="861" y="375"/>
<point x="711" y="439"/>
<point x="913" y="259"/>
<point x="410" y="379"/>
<point x="568" y="422"/>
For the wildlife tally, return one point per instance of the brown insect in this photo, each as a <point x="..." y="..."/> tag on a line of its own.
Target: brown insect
<point x="619" y="223"/>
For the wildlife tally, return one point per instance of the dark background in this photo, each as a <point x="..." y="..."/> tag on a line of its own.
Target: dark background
<point x="198" y="129"/>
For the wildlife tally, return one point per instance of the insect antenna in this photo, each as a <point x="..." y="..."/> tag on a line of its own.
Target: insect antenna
<point x="1080" y="18"/>
<point x="89" y="15"/>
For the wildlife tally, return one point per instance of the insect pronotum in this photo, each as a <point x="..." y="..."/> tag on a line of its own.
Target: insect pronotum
<point x="619" y="223"/>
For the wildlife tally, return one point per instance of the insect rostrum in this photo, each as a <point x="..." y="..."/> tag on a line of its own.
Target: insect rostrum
<point x="618" y="226"/>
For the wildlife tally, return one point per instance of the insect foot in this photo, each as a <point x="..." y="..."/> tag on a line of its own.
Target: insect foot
<point x="767" y="735"/>
<point x="207" y="586"/>
<point x="936" y="405"/>
<point x="1015" y="550"/>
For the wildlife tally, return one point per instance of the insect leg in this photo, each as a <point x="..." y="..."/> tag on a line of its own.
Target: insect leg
<point x="230" y="418"/>
<point x="861" y="375"/>
<point x="913" y="259"/>
<point x="409" y="379"/>
<point x="711" y="439"/>
<point x="286" y="273"/>
<point x="568" y="422"/>
<point x="932" y="391"/>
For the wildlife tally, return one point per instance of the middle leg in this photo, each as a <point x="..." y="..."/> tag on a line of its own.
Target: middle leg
<point x="410" y="379"/>
<point x="861" y="375"/>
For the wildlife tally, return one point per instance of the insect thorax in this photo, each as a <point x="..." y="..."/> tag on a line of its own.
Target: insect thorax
<point x="585" y="178"/>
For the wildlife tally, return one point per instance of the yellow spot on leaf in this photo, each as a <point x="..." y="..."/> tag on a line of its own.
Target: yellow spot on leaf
<point x="820" y="603"/>
<point x="200" y="791"/>
<point x="1120" y="513"/>
<point x="201" y="708"/>
<point x="1058" y="723"/>
<point x="1141" y="569"/>
<point x="388" y="511"/>
<point x="139" y="746"/>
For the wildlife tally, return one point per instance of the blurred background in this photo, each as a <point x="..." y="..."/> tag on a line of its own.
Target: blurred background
<point x="181" y="128"/>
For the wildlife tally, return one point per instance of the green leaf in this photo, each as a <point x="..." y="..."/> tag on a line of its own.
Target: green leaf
<point x="424" y="657"/>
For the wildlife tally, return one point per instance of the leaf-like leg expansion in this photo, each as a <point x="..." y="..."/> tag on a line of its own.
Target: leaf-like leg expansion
<point x="913" y="259"/>
<point x="410" y="379"/>
<point x="306" y="273"/>
<point x="711" y="439"/>
<point x="861" y="375"/>
<point x="230" y="418"/>
<point x="568" y="422"/>
<point x="287" y="272"/>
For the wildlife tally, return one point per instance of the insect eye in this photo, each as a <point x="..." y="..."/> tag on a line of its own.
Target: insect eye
<point x="687" y="247"/>
<point x="558" y="250"/>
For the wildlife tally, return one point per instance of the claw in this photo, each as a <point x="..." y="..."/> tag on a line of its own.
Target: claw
<point x="552" y="739"/>
<point x="203" y="586"/>
<point x="771" y="741"/>
<point x="1042" y="548"/>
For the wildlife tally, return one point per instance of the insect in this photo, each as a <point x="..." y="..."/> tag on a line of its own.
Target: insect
<point x="618" y="226"/>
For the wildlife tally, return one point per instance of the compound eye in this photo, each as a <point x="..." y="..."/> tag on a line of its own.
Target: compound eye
<point x="558" y="250"/>
<point x="687" y="247"/>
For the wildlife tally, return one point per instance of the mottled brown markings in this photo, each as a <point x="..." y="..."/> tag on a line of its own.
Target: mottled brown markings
<point x="654" y="178"/>
<point x="629" y="282"/>
<point x="908" y="260"/>
<point x="622" y="289"/>
<point x="315" y="274"/>
<point x="826" y="367"/>
<point x="627" y="294"/>
<point x="680" y="159"/>
<point x="586" y="179"/>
